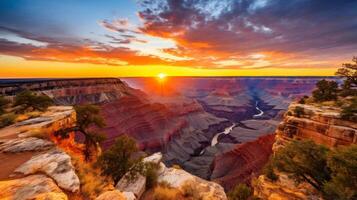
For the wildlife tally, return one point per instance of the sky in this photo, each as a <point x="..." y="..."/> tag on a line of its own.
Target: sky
<point x="129" y="38"/>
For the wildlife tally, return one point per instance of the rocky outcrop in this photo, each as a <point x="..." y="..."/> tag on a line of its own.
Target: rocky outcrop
<point x="283" y="189"/>
<point x="31" y="187"/>
<point x="24" y="144"/>
<point x="57" y="165"/>
<point x="243" y="162"/>
<point x="323" y="125"/>
<point x="178" y="178"/>
<point x="55" y="118"/>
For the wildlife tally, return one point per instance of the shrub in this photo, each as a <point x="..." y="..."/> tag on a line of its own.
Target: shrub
<point x="343" y="166"/>
<point x="350" y="112"/>
<point x="302" y="101"/>
<point x="268" y="171"/>
<point x="27" y="100"/>
<point x="7" y="119"/>
<point x="325" y="91"/>
<point x="240" y="192"/>
<point x="118" y="159"/>
<point x="3" y="103"/>
<point x="305" y="161"/>
<point x="348" y="71"/>
<point x="299" y="111"/>
<point x="151" y="174"/>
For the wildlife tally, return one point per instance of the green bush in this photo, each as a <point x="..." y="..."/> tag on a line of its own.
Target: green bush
<point x="325" y="91"/>
<point x="299" y="111"/>
<point x="305" y="161"/>
<point x="240" y="192"/>
<point x="7" y="119"/>
<point x="268" y="171"/>
<point x="350" y="112"/>
<point x="151" y="174"/>
<point x="27" y="100"/>
<point x="343" y="166"/>
<point x="3" y="103"/>
<point x="118" y="159"/>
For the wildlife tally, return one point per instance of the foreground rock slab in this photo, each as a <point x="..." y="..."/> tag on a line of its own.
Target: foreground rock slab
<point x="31" y="187"/>
<point x="57" y="165"/>
<point x="178" y="178"/>
<point x="24" y="144"/>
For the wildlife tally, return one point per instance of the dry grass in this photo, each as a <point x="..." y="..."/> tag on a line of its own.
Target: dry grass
<point x="92" y="183"/>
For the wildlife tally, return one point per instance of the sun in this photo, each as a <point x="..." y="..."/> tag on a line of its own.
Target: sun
<point x="161" y="76"/>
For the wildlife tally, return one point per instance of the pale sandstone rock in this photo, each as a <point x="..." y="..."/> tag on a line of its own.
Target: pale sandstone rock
<point x="37" y="187"/>
<point x="24" y="144"/>
<point x="111" y="195"/>
<point x="137" y="187"/>
<point x="56" y="164"/>
<point x="55" y="118"/>
<point x="154" y="158"/>
<point x="129" y="196"/>
<point x="177" y="178"/>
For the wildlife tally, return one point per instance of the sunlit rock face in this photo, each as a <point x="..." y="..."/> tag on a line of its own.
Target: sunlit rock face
<point x="240" y="164"/>
<point x="323" y="125"/>
<point x="31" y="187"/>
<point x="57" y="165"/>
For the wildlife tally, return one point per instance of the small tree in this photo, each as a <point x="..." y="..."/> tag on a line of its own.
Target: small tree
<point x="3" y="103"/>
<point x="348" y="71"/>
<point x="350" y="112"/>
<point x="118" y="159"/>
<point x="343" y="165"/>
<point x="28" y="100"/>
<point x="305" y="161"/>
<point x="325" y="91"/>
<point x="240" y="192"/>
<point x="87" y="116"/>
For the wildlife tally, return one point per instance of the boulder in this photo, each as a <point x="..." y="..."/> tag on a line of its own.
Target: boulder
<point x="137" y="186"/>
<point x="31" y="187"/>
<point x="112" y="195"/>
<point x="178" y="178"/>
<point x="56" y="164"/>
<point x="154" y="158"/>
<point x="24" y="144"/>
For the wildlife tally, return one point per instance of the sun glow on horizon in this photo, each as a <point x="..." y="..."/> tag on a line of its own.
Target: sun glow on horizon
<point x="161" y="76"/>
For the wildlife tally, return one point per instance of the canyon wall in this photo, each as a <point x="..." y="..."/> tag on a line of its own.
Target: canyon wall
<point x="321" y="124"/>
<point x="243" y="162"/>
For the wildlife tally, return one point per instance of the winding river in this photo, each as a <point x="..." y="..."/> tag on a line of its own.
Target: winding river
<point x="227" y="130"/>
<point x="258" y="109"/>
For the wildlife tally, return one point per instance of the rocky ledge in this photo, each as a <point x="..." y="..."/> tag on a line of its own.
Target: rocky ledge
<point x="323" y="125"/>
<point x="36" y="167"/>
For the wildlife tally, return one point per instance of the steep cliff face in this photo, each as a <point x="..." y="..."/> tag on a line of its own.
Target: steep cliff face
<point x="323" y="125"/>
<point x="243" y="162"/>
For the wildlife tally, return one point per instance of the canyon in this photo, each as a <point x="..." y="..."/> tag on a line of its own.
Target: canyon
<point x="186" y="122"/>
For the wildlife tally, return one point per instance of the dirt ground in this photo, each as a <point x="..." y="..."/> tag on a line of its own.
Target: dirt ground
<point x="10" y="161"/>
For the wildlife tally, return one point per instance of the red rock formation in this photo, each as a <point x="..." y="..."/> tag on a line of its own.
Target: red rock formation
<point x="243" y="162"/>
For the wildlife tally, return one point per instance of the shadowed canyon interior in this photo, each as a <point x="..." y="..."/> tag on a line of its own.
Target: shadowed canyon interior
<point x="216" y="128"/>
